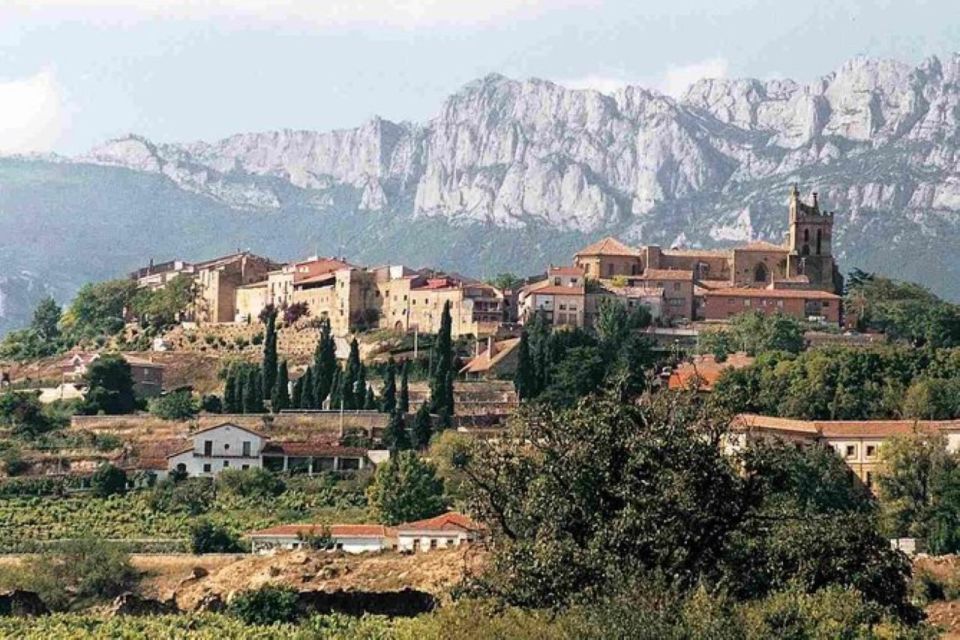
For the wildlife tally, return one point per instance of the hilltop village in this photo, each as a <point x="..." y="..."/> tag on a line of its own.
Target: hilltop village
<point x="370" y="440"/>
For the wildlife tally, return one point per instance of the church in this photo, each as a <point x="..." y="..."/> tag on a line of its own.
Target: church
<point x="798" y="278"/>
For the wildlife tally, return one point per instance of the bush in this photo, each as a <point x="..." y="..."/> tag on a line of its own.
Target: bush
<point x="13" y="462"/>
<point x="264" y="606"/>
<point x="211" y="404"/>
<point x="206" y="537"/>
<point x="258" y="483"/>
<point x="108" y="480"/>
<point x="84" y="569"/>
<point x="176" y="405"/>
<point x="192" y="496"/>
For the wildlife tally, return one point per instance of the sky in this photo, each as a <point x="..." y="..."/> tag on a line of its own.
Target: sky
<point x="74" y="73"/>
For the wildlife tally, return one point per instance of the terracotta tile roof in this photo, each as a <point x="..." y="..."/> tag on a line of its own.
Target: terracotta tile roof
<point x="317" y="268"/>
<point x="336" y="530"/>
<point x="484" y="362"/>
<point x="704" y="371"/>
<point x="694" y="253"/>
<point x="446" y="521"/>
<point x="714" y="284"/>
<point x="667" y="274"/>
<point x="847" y="428"/>
<point x="153" y="455"/>
<point x="608" y="247"/>
<point x="747" y="421"/>
<point x="567" y="271"/>
<point x="142" y="362"/>
<point x="806" y="294"/>
<point x="554" y="290"/>
<point x="762" y="245"/>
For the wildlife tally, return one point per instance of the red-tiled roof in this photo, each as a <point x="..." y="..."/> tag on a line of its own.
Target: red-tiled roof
<point x="446" y="521"/>
<point x="806" y="294"/>
<point x="608" y="247"/>
<point x="701" y="253"/>
<point x="704" y="371"/>
<point x="762" y="245"/>
<point x="484" y="362"/>
<point x="667" y="274"/>
<point x="230" y="424"/>
<point x="848" y="428"/>
<point x="567" y="271"/>
<point x="336" y="530"/>
<point x="555" y="290"/>
<point x="317" y="449"/>
<point x="317" y="269"/>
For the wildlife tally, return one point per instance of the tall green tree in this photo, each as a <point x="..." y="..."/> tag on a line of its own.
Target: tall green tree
<point x="269" y="365"/>
<point x="253" y="392"/>
<point x="231" y="394"/>
<point x="336" y="390"/>
<point x="422" y="428"/>
<point x="281" y="395"/>
<point x="403" y="402"/>
<point x="404" y="489"/>
<point x="370" y="400"/>
<point x="441" y="384"/>
<point x="351" y="376"/>
<point x="395" y="436"/>
<point x="109" y="387"/>
<point x="307" y="397"/>
<point x="296" y="399"/>
<point x="524" y="380"/>
<point x="22" y="413"/>
<point x="360" y="387"/>
<point x="388" y="402"/>
<point x="324" y="362"/>
<point x="46" y="320"/>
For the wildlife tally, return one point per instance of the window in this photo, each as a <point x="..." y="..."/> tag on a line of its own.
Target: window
<point x="563" y="307"/>
<point x="206" y="468"/>
<point x="433" y="543"/>
<point x="871" y="450"/>
<point x="556" y="282"/>
<point x="208" y="447"/>
<point x="676" y="286"/>
<point x="851" y="450"/>
<point x="246" y="448"/>
<point x="609" y="269"/>
<point x="244" y="466"/>
<point x="226" y="463"/>
<point x="226" y="446"/>
<point x="746" y="303"/>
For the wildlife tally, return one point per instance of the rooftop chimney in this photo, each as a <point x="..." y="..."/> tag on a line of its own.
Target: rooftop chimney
<point x="815" y="205"/>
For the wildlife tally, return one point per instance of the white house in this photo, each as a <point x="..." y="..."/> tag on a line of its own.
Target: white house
<point x="214" y="449"/>
<point x="443" y="531"/>
<point x="231" y="446"/>
<point x="350" y="538"/>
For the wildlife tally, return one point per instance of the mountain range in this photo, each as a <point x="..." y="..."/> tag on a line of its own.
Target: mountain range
<point x="512" y="175"/>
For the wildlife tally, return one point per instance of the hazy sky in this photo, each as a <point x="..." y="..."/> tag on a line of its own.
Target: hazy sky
<point x="76" y="72"/>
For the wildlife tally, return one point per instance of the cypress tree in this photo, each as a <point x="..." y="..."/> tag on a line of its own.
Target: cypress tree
<point x="325" y="362"/>
<point x="230" y="393"/>
<point x="360" y="387"/>
<point x="403" y="404"/>
<point x="250" y="391"/>
<point x="448" y="392"/>
<point x="442" y="363"/>
<point x="351" y="377"/>
<point x="524" y="378"/>
<point x="370" y="400"/>
<point x="306" y="393"/>
<point x="258" y="393"/>
<point x="295" y="400"/>
<point x="269" y="365"/>
<point x="336" y="389"/>
<point x="280" y="399"/>
<point x="389" y="394"/>
<point x="422" y="428"/>
<point x="395" y="436"/>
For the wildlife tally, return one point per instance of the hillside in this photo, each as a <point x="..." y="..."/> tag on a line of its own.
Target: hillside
<point x="511" y="175"/>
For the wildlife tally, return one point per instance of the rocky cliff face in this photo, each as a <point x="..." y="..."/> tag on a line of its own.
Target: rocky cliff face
<point x="872" y="136"/>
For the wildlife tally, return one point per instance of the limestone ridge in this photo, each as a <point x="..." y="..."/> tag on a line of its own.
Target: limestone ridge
<point x="874" y="135"/>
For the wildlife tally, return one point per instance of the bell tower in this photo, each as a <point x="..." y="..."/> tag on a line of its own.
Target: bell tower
<point x="811" y="233"/>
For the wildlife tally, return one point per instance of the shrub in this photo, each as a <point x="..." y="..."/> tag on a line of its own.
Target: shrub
<point x="176" y="405"/>
<point x="206" y="537"/>
<point x="257" y="339"/>
<point x="258" y="483"/>
<point x="192" y="496"/>
<point x="108" y="480"/>
<point x="266" y="605"/>
<point x="13" y="462"/>
<point x="211" y="403"/>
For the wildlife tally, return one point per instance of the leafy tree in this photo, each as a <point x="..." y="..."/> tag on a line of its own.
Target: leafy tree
<point x="917" y="487"/>
<point x="506" y="281"/>
<point x="268" y="368"/>
<point x="441" y="387"/>
<point x="281" y="395"/>
<point x="22" y="413"/>
<point x="98" y="309"/>
<point x="404" y="489"/>
<point x="754" y="333"/>
<point x="615" y="323"/>
<point x="388" y="402"/>
<point x="108" y="480"/>
<point x="294" y="312"/>
<point x="932" y="399"/>
<point x="395" y="436"/>
<point x="324" y="363"/>
<point x="206" y="537"/>
<point x="211" y="403"/>
<point x="46" y="320"/>
<point x="403" y="403"/>
<point x="579" y="373"/>
<point x="422" y="428"/>
<point x="451" y="451"/>
<point x="109" y="387"/>
<point x="904" y="311"/>
<point x="176" y="405"/>
<point x="524" y="380"/>
<point x="250" y="483"/>
<point x="162" y="308"/>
